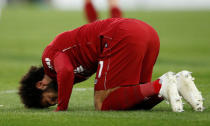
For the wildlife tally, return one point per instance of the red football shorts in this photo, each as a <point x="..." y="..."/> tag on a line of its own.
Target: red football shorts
<point x="129" y="52"/>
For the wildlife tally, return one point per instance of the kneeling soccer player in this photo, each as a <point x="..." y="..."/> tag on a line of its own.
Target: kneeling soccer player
<point x="122" y="52"/>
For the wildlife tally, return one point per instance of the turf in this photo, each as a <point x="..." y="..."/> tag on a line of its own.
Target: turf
<point x="25" y="31"/>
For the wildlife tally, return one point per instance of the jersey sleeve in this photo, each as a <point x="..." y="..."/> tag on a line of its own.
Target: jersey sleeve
<point x="50" y="72"/>
<point x="65" y="79"/>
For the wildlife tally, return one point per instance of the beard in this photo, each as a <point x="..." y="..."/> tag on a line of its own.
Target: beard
<point x="53" y="85"/>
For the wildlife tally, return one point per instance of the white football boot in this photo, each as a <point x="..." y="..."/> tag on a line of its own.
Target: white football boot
<point x="188" y="90"/>
<point x="169" y="91"/>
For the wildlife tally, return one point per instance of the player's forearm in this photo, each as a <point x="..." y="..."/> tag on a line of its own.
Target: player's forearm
<point x="65" y="79"/>
<point x="65" y="85"/>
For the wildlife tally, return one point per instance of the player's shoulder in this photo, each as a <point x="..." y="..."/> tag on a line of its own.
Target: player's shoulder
<point x="48" y="52"/>
<point x="62" y="36"/>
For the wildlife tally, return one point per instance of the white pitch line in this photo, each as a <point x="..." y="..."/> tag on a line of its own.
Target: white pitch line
<point x="15" y="91"/>
<point x="8" y="91"/>
<point x="82" y="89"/>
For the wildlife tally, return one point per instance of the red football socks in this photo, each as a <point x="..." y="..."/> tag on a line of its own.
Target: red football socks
<point x="90" y="12"/>
<point x="92" y="15"/>
<point x="115" y="12"/>
<point x="125" y="98"/>
<point x="151" y="88"/>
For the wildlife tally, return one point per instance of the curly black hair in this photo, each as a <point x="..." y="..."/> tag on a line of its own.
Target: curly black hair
<point x="29" y="94"/>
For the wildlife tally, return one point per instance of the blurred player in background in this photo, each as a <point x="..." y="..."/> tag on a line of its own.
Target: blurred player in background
<point x="1" y="6"/>
<point x="0" y="12"/>
<point x="3" y="3"/>
<point x="92" y="15"/>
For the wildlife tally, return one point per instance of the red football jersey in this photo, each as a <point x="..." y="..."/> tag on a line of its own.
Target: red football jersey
<point x="125" y="49"/>
<point x="77" y="50"/>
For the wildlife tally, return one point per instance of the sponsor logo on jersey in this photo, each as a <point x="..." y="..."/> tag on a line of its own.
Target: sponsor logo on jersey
<point x="47" y="60"/>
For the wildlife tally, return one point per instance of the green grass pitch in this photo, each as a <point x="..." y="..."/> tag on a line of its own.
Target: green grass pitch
<point x="25" y="31"/>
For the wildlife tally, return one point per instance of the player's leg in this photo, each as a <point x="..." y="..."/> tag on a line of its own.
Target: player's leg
<point x="90" y="11"/>
<point x="150" y="57"/>
<point x="146" y="72"/>
<point x="147" y="69"/>
<point x="115" y="11"/>
<point x="121" y="66"/>
<point x="125" y="98"/>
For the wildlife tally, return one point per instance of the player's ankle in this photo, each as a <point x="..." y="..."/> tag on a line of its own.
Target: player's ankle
<point x="157" y="86"/>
